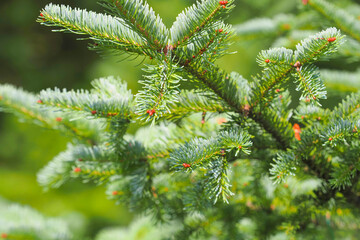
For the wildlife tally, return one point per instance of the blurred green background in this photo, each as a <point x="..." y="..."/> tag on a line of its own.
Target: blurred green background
<point x="35" y="58"/>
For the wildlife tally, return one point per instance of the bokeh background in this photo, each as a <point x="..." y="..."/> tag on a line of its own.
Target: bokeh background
<point x="35" y="58"/>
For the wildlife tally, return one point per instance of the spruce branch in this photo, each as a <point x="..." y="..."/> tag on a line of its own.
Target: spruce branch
<point x="131" y="154"/>
<point x="278" y="126"/>
<point x="217" y="180"/>
<point x="342" y="176"/>
<point x="200" y="151"/>
<point x="309" y="82"/>
<point x="197" y="18"/>
<point x="232" y="89"/>
<point x="280" y="104"/>
<point x="348" y="108"/>
<point x="236" y="92"/>
<point x="160" y="88"/>
<point x="190" y="101"/>
<point x="277" y="65"/>
<point x="319" y="45"/>
<point x="23" y="104"/>
<point x="141" y="18"/>
<point x="134" y="189"/>
<point x="165" y="137"/>
<point x="97" y="163"/>
<point x="345" y="172"/>
<point x="343" y="20"/>
<point x="105" y="30"/>
<point x="340" y="131"/>
<point x="63" y="167"/>
<point x="284" y="165"/>
<point x="23" y="222"/>
<point x="97" y="172"/>
<point x="109" y="99"/>
<point x="27" y="106"/>
<point x="206" y="46"/>
<point x="309" y="114"/>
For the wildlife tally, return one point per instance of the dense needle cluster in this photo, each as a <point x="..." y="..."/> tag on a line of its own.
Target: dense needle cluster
<point x="213" y="153"/>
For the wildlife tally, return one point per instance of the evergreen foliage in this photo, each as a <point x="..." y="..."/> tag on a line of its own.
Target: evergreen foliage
<point x="21" y="222"/>
<point x="223" y="157"/>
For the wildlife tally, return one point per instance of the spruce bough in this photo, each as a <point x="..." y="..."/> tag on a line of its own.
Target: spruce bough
<point x="212" y="143"/>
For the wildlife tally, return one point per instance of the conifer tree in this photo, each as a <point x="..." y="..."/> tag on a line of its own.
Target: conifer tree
<point x="217" y="156"/>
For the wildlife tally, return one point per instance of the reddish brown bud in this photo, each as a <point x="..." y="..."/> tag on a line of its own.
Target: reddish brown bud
<point x="115" y="193"/>
<point x="297" y="65"/>
<point x="185" y="165"/>
<point x="151" y="112"/>
<point x="332" y="39"/>
<point x="297" y="131"/>
<point x="330" y="138"/>
<point x="267" y="60"/>
<point x="58" y="119"/>
<point x="39" y="101"/>
<point x="93" y="112"/>
<point x="77" y="170"/>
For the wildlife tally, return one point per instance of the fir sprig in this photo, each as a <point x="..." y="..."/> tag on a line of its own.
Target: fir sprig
<point x="347" y="108"/>
<point x="194" y="102"/>
<point x="139" y="170"/>
<point x="309" y="82"/>
<point x="200" y="151"/>
<point x="140" y="17"/>
<point x="284" y="165"/>
<point x="205" y="46"/>
<point x="23" y="222"/>
<point x="343" y="20"/>
<point x="110" y="99"/>
<point x="197" y="18"/>
<point x="217" y="181"/>
<point x="103" y="29"/>
<point x="63" y="167"/>
<point x="161" y="88"/>
<point x="314" y="47"/>
<point x="28" y="106"/>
